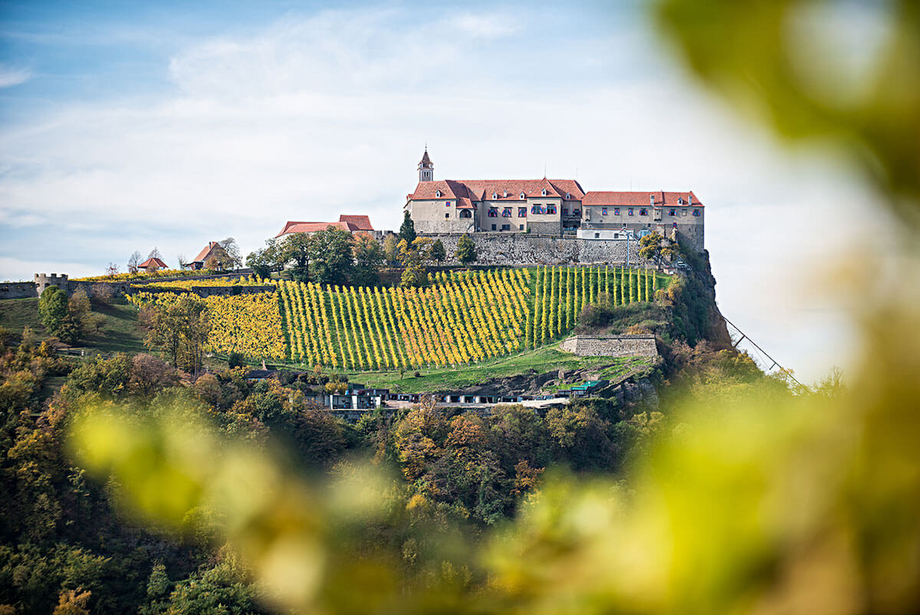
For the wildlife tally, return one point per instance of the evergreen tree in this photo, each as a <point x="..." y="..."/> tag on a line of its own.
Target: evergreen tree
<point x="407" y="230"/>
<point x="466" y="250"/>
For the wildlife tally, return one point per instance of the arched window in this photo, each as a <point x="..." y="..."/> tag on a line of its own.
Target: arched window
<point x="494" y="196"/>
<point x="522" y="196"/>
<point x="544" y="192"/>
<point x="466" y="213"/>
<point x="438" y="194"/>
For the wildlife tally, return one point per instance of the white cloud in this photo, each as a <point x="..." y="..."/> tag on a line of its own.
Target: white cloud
<point x="10" y="76"/>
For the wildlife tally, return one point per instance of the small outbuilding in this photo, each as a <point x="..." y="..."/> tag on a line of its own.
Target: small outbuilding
<point x="152" y="264"/>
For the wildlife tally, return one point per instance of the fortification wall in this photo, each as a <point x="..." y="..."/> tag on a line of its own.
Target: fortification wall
<point x="534" y="249"/>
<point x="17" y="290"/>
<point x="211" y="291"/>
<point x="611" y="346"/>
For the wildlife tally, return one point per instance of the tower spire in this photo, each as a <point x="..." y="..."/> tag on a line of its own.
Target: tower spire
<point x="426" y="167"/>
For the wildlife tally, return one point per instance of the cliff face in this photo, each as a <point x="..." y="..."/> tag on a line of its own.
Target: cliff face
<point x="691" y="303"/>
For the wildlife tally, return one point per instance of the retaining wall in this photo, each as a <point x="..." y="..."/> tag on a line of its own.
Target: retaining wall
<point x="611" y="346"/>
<point x="532" y="249"/>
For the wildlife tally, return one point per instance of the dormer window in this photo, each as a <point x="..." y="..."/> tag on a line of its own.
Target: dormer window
<point x="522" y="196"/>
<point x="544" y="192"/>
<point x="506" y="194"/>
<point x="568" y="196"/>
<point x="680" y="200"/>
<point x="651" y="199"/>
<point x="438" y="194"/>
<point x="494" y="196"/>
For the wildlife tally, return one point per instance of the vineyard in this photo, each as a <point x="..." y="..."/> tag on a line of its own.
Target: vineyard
<point x="187" y="284"/>
<point x="460" y="318"/>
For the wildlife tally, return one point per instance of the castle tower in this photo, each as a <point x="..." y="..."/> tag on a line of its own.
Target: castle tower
<point x="426" y="168"/>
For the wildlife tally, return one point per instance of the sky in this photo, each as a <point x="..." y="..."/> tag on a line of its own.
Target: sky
<point x="131" y="125"/>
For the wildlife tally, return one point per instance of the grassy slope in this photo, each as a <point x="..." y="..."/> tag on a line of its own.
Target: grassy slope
<point x="541" y="360"/>
<point x="120" y="331"/>
<point x="17" y="313"/>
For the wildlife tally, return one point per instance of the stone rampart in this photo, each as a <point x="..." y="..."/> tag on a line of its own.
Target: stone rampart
<point x="533" y="249"/>
<point x="611" y="346"/>
<point x="17" y="290"/>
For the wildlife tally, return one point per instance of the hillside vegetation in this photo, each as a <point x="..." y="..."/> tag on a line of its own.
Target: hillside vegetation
<point x="461" y="318"/>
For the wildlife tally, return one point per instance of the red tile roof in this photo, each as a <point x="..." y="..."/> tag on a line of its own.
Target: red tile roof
<point x="638" y="199"/>
<point x="362" y="223"/>
<point x="313" y="227"/>
<point x="206" y="253"/>
<point x="152" y="261"/>
<point x="483" y="189"/>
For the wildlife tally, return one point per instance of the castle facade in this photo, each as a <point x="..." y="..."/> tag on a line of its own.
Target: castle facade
<point x="549" y="207"/>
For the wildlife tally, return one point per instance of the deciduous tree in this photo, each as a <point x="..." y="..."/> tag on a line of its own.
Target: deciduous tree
<point x="331" y="256"/>
<point x="466" y="250"/>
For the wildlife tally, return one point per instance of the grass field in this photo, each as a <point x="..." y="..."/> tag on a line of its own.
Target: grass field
<point x="541" y="360"/>
<point x="119" y="330"/>
<point x="15" y="314"/>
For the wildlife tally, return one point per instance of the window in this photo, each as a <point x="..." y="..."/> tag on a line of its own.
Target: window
<point x="603" y="211"/>
<point x="493" y="227"/>
<point x="544" y="192"/>
<point x="466" y="213"/>
<point x="597" y="235"/>
<point x="447" y="215"/>
<point x="683" y="211"/>
<point x="522" y="196"/>
<point x="493" y="212"/>
<point x="672" y="212"/>
<point x="643" y="212"/>
<point x="630" y="212"/>
<point x="446" y="203"/>
<point x="506" y="227"/>
<point x="616" y="211"/>
<point x="696" y="212"/>
<point x="576" y="212"/>
<point x="550" y="209"/>
<point x="674" y="224"/>
<point x="538" y="209"/>
<point x="494" y="195"/>
<point x="522" y="212"/>
<point x="520" y="227"/>
<point x="680" y="201"/>
<point x="568" y="196"/>
<point x="438" y="194"/>
<point x="565" y="211"/>
<point x="506" y="212"/>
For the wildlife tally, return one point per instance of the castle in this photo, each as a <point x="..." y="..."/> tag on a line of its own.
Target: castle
<point x="549" y="207"/>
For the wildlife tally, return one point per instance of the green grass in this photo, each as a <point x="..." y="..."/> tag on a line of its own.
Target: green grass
<point x="544" y="359"/>
<point x="120" y="330"/>
<point x="15" y="314"/>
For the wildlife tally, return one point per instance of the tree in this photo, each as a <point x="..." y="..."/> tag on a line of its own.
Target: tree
<point x="466" y="250"/>
<point x="213" y="263"/>
<point x="66" y="318"/>
<point x="407" y="230"/>
<point x="232" y="259"/>
<point x="112" y="270"/>
<point x="331" y="257"/>
<point x="391" y="248"/>
<point x="267" y="259"/>
<point x="294" y="251"/>
<point x="414" y="258"/>
<point x="52" y="308"/>
<point x="179" y="330"/>
<point x="133" y="261"/>
<point x="368" y="257"/>
<point x="653" y="246"/>
<point x="183" y="264"/>
<point x="155" y="253"/>
<point x="438" y="253"/>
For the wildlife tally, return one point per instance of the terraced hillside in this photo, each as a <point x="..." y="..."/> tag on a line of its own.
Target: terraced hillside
<point x="460" y="318"/>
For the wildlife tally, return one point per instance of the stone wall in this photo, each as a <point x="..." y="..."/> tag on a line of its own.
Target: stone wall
<point x="611" y="346"/>
<point x="17" y="290"/>
<point x="210" y="291"/>
<point x="533" y="249"/>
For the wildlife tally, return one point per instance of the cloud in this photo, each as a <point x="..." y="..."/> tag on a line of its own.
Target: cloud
<point x="10" y="76"/>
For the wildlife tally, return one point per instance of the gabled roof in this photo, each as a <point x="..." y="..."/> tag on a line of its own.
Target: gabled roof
<point x="206" y="253"/>
<point x="152" y="261"/>
<point x="640" y="198"/>
<point x="313" y="227"/>
<point x="362" y="223"/>
<point x="483" y="189"/>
